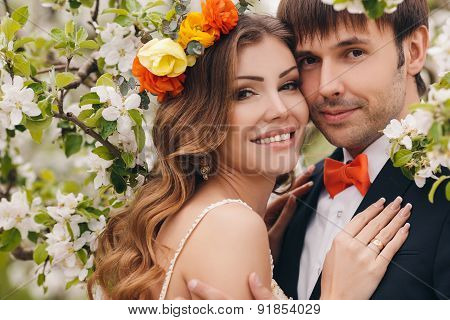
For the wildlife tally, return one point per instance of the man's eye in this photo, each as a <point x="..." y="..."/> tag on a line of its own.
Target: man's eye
<point x="244" y="94"/>
<point x="291" y="85"/>
<point x="306" y="61"/>
<point x="355" y="53"/>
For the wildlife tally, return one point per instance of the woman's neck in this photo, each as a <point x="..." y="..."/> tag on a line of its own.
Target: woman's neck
<point x="253" y="189"/>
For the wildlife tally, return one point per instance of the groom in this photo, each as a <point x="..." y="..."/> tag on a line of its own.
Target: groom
<point x="357" y="75"/>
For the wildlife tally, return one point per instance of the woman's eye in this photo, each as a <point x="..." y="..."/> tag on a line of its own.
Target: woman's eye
<point x="244" y="94"/>
<point x="355" y="53"/>
<point x="291" y="85"/>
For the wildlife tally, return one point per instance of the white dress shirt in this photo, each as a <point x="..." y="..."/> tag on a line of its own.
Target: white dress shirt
<point x="331" y="216"/>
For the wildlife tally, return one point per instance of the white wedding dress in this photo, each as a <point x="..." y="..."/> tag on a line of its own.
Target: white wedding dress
<point x="276" y="290"/>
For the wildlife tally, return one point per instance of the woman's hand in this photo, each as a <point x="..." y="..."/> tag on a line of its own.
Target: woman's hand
<point x="281" y="210"/>
<point x="360" y="254"/>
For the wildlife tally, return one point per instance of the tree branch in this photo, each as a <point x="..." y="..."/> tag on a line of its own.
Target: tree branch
<point x="83" y="73"/>
<point x="89" y="131"/>
<point x="7" y="8"/>
<point x="21" y="254"/>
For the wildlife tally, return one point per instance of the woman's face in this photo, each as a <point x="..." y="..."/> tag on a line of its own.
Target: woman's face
<point x="269" y="114"/>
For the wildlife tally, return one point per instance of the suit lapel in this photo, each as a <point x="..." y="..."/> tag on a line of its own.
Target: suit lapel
<point x="287" y="269"/>
<point x="390" y="183"/>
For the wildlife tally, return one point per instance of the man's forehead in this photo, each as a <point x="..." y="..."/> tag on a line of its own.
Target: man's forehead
<point x="344" y="35"/>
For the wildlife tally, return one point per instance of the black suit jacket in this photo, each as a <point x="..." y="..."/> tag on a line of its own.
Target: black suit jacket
<point x="419" y="270"/>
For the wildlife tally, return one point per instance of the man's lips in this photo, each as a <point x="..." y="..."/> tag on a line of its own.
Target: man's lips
<point x="337" y="115"/>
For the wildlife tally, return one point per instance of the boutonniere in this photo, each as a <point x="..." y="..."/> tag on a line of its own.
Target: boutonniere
<point x="420" y="143"/>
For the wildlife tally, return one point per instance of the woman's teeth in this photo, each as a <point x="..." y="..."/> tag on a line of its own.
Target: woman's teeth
<point x="277" y="138"/>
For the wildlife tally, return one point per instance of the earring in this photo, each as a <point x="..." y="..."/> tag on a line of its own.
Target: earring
<point x="204" y="169"/>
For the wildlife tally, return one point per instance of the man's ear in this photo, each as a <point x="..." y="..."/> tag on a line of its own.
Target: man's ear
<point x="416" y="50"/>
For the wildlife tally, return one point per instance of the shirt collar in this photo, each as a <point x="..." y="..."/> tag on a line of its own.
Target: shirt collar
<point x="377" y="154"/>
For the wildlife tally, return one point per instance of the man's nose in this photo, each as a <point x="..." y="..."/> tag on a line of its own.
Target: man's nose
<point x="331" y="80"/>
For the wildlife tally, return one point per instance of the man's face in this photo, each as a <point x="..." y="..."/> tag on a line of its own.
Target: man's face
<point x="352" y="84"/>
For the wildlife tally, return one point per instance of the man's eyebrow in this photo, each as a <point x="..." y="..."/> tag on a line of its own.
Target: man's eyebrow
<point x="287" y="71"/>
<point x="350" y="42"/>
<point x="302" y="53"/>
<point x="255" y="78"/>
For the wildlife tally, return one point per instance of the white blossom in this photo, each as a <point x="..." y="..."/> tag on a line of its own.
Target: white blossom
<point x="99" y="166"/>
<point x="423" y="121"/>
<point x="18" y="214"/>
<point x="17" y="99"/>
<point x="126" y="142"/>
<point x="119" y="112"/>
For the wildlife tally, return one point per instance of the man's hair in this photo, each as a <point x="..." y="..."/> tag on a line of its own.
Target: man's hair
<point x="312" y="18"/>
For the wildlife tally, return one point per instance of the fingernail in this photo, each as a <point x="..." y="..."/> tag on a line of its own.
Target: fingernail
<point x="256" y="280"/>
<point x="380" y="202"/>
<point x="405" y="229"/>
<point x="310" y="183"/>
<point x="192" y="284"/>
<point x="396" y="203"/>
<point x="406" y="210"/>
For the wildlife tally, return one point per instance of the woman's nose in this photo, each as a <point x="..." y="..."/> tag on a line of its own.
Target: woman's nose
<point x="277" y="108"/>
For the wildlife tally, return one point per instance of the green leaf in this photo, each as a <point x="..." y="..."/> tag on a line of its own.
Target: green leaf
<point x="435" y="186"/>
<point x="82" y="255"/>
<point x="40" y="279"/>
<point x="81" y="35"/>
<point x="20" y="15"/>
<point x="85" y="114"/>
<point x="6" y="166"/>
<point x="435" y="131"/>
<point x="402" y="157"/>
<point x="89" y="98"/>
<point x="374" y="8"/>
<point x="107" y="127"/>
<point x="407" y="173"/>
<point x="58" y="35"/>
<point x="69" y="28"/>
<point x="72" y="143"/>
<point x="64" y="78"/>
<point x="136" y="116"/>
<point x="106" y="80"/>
<point x="19" y="43"/>
<point x="92" y="121"/>
<point x="132" y="5"/>
<point x="118" y="182"/>
<point x="124" y="21"/>
<point x="72" y="283"/>
<point x="87" y="3"/>
<point x="36" y="127"/>
<point x="9" y="27"/>
<point x="447" y="191"/>
<point x="89" y="44"/>
<point x="21" y="65"/>
<point x="119" y="12"/>
<point x="139" y="134"/>
<point x="103" y="153"/>
<point x="9" y="240"/>
<point x="128" y="158"/>
<point x="44" y="219"/>
<point x="40" y="253"/>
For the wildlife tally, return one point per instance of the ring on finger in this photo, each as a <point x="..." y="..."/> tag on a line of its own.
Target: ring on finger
<point x="377" y="244"/>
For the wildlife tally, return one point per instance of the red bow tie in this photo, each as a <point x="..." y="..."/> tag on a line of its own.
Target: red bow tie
<point x="339" y="176"/>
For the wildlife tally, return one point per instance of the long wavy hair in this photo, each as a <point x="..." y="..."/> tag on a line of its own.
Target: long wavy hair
<point x="125" y="260"/>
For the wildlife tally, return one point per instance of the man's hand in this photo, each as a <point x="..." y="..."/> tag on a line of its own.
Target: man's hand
<point x="206" y="292"/>
<point x="280" y="211"/>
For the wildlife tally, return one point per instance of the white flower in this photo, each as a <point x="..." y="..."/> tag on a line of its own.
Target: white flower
<point x="424" y="121"/>
<point x="403" y="130"/>
<point x="115" y="30"/>
<point x="18" y="214"/>
<point x="108" y="94"/>
<point x="119" y="112"/>
<point x="422" y="175"/>
<point x="97" y="227"/>
<point x="64" y="212"/>
<point x="17" y="99"/>
<point x="120" y="52"/>
<point x="394" y="129"/>
<point x="126" y="142"/>
<point x="99" y="166"/>
<point x="438" y="96"/>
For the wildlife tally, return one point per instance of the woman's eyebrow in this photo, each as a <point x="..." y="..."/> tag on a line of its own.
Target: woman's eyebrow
<point x="287" y="71"/>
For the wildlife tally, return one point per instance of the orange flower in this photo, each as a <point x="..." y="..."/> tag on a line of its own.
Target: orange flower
<point x="220" y="14"/>
<point x="158" y="86"/>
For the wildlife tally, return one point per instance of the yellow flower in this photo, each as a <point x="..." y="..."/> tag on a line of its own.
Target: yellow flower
<point x="192" y="28"/>
<point x="163" y="57"/>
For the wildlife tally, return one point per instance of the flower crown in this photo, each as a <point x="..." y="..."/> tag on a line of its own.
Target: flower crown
<point x="160" y="64"/>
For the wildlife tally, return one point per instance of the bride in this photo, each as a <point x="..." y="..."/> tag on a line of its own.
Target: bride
<point x="224" y="144"/>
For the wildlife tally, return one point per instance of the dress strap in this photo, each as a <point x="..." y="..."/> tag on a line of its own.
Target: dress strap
<point x="197" y="220"/>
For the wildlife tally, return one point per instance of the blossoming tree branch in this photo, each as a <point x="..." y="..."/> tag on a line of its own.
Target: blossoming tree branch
<point x="56" y="223"/>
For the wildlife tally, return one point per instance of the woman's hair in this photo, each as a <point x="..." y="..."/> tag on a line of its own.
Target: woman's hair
<point x="187" y="128"/>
